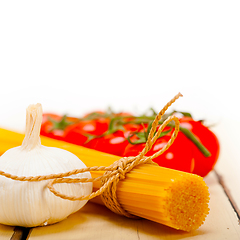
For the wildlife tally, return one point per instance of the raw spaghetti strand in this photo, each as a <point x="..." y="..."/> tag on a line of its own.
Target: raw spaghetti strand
<point x="113" y="173"/>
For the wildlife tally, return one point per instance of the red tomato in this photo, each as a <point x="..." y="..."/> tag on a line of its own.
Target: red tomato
<point x="203" y="165"/>
<point x="78" y="133"/>
<point x="54" y="126"/>
<point x="131" y="127"/>
<point x="114" y="143"/>
<point x="179" y="156"/>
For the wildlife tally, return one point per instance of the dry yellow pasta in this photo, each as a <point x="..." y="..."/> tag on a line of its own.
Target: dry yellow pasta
<point x="173" y="198"/>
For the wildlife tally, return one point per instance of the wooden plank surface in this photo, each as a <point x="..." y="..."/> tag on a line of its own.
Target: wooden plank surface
<point x="97" y="222"/>
<point x="6" y="232"/>
<point x="13" y="233"/>
<point x="20" y="233"/>
<point x="228" y="165"/>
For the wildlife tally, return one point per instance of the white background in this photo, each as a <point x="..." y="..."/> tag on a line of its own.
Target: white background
<point x="78" y="56"/>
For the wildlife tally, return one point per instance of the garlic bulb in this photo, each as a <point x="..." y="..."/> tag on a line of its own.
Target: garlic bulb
<point x="31" y="204"/>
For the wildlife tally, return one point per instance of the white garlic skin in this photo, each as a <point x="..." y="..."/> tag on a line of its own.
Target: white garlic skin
<point x="31" y="204"/>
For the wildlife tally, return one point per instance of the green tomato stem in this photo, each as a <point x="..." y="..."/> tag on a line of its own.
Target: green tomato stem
<point x="192" y="137"/>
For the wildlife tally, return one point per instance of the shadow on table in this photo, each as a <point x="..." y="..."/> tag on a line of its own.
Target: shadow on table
<point x="95" y="221"/>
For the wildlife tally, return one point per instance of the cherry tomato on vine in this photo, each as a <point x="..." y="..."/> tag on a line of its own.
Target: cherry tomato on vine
<point x="203" y="165"/>
<point x="114" y="143"/>
<point x="111" y="132"/>
<point x="80" y="132"/>
<point x="54" y="126"/>
<point x="131" y="127"/>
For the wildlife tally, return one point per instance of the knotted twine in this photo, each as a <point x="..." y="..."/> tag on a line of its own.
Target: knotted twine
<point x="113" y="173"/>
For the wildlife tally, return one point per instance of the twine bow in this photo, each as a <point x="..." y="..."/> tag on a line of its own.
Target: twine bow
<point x="113" y="173"/>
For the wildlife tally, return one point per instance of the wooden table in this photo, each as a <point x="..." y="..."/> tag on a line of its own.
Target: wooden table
<point x="95" y="221"/>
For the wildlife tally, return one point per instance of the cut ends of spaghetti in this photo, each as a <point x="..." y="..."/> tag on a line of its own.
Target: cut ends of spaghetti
<point x="187" y="203"/>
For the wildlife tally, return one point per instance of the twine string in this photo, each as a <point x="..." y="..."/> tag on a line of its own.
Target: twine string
<point x="113" y="173"/>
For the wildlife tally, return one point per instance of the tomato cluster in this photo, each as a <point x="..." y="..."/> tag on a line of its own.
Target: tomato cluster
<point x="195" y="150"/>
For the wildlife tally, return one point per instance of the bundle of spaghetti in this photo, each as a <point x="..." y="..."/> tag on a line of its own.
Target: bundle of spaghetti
<point x="173" y="198"/>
